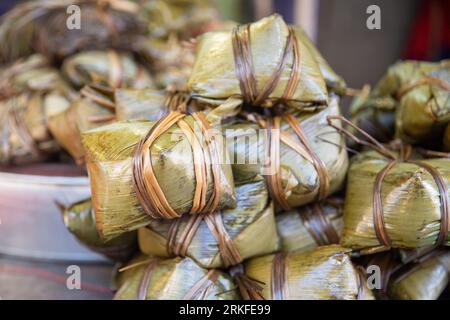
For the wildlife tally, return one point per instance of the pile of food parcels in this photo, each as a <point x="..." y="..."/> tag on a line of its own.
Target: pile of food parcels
<point x="220" y="163"/>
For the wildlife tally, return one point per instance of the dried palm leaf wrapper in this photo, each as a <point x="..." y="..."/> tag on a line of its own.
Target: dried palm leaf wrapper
<point x="301" y="157"/>
<point x="185" y="18"/>
<point x="261" y="63"/>
<point x="94" y="107"/>
<point x="79" y="219"/>
<point x="31" y="91"/>
<point x="394" y="198"/>
<point x="141" y="170"/>
<point x="107" y="68"/>
<point x="325" y="273"/>
<point x="425" y="280"/>
<point x="218" y="239"/>
<point x="317" y="224"/>
<point x="334" y="82"/>
<point x="424" y="108"/>
<point x="45" y="26"/>
<point x="147" y="278"/>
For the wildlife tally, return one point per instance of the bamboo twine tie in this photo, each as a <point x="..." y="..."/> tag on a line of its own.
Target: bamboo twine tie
<point x="149" y="193"/>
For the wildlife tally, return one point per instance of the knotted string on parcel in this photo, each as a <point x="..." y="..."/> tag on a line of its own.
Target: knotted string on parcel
<point x="378" y="217"/>
<point x="274" y="137"/>
<point x="149" y="193"/>
<point x="244" y="68"/>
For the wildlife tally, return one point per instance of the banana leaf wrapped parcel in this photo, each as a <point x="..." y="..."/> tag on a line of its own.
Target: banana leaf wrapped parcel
<point x="410" y="101"/>
<point x="141" y="170"/>
<point x="184" y="18"/>
<point x="301" y="157"/>
<point x="424" y="109"/>
<point x="51" y="27"/>
<point x="93" y="107"/>
<point x="79" y="219"/>
<point x="324" y="273"/>
<point x="422" y="281"/>
<point x="396" y="203"/>
<point x="374" y="114"/>
<point x="30" y="92"/>
<point x="310" y="226"/>
<point x="222" y="238"/>
<point x="149" y="278"/>
<point x="280" y="65"/>
<point x="106" y="68"/>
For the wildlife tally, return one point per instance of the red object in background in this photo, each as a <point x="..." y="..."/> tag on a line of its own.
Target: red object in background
<point x="430" y="36"/>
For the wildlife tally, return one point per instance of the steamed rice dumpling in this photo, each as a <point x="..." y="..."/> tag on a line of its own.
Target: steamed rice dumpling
<point x="408" y="209"/>
<point x="147" y="278"/>
<point x="141" y="170"/>
<point x="374" y="114"/>
<point x="51" y="27"/>
<point x="79" y="219"/>
<point x="424" y="108"/>
<point x="30" y="92"/>
<point x="283" y="67"/>
<point x="310" y="164"/>
<point x="317" y="224"/>
<point x="422" y="281"/>
<point x="249" y="230"/>
<point x="324" y="273"/>
<point x="94" y="107"/>
<point x="107" y="68"/>
<point x="411" y="99"/>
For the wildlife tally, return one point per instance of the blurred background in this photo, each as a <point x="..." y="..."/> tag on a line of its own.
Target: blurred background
<point x="410" y="29"/>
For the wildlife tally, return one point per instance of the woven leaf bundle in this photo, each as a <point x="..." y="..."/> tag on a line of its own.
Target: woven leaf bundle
<point x="317" y="224"/>
<point x="415" y="94"/>
<point x="312" y="156"/>
<point x="79" y="219"/>
<point x="283" y="67"/>
<point x="106" y="68"/>
<point x="410" y="206"/>
<point x="147" y="278"/>
<point x="93" y="108"/>
<point x="30" y="92"/>
<point x="250" y="227"/>
<point x="184" y="179"/>
<point x="41" y="26"/>
<point x="324" y="273"/>
<point x="186" y="19"/>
